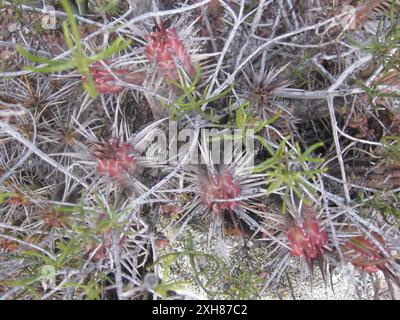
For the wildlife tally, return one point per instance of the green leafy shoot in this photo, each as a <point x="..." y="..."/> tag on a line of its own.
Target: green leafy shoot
<point x="245" y="121"/>
<point x="288" y="168"/>
<point x="78" y="59"/>
<point x="92" y="289"/>
<point x="4" y="196"/>
<point x="392" y="147"/>
<point x="70" y="251"/>
<point x="384" y="49"/>
<point x="190" y="100"/>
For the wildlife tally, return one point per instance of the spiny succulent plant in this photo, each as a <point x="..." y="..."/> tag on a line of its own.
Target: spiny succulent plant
<point x="23" y="191"/>
<point x="53" y="218"/>
<point x="371" y="257"/>
<point x="306" y="240"/>
<point x="34" y="93"/>
<point x="301" y="236"/>
<point x="265" y="83"/>
<point x="167" y="50"/>
<point x="362" y="253"/>
<point x="259" y="85"/>
<point x="114" y="158"/>
<point x="221" y="193"/>
<point x="299" y="209"/>
<point x="220" y="186"/>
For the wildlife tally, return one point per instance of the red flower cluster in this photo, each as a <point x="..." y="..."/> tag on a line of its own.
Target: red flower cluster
<point x="53" y="219"/>
<point x="166" y="48"/>
<point x="103" y="244"/>
<point x="105" y="81"/>
<point x="364" y="254"/>
<point x="113" y="158"/>
<point x="220" y="186"/>
<point x="18" y="198"/>
<point x="308" y="240"/>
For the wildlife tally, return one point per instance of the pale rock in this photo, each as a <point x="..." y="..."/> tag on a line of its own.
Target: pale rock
<point x="13" y="27"/>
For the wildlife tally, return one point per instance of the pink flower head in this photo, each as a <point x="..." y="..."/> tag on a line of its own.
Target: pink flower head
<point x="114" y="158"/>
<point x="103" y="244"/>
<point x="306" y="240"/>
<point x="105" y="82"/>
<point x="220" y="187"/>
<point x="363" y="254"/>
<point x="165" y="47"/>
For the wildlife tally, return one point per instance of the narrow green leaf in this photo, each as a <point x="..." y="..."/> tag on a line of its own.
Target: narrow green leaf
<point x="51" y="69"/>
<point x="117" y="46"/>
<point x="240" y="118"/>
<point x="72" y="21"/>
<point x="38" y="59"/>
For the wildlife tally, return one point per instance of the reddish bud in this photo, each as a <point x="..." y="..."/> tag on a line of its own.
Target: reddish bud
<point x="308" y="240"/>
<point x="165" y="48"/>
<point x="113" y="158"/>
<point x="362" y="253"/>
<point x="103" y="244"/>
<point x="53" y="219"/>
<point x="8" y="246"/>
<point x="220" y="186"/>
<point x="169" y="210"/>
<point x="105" y="82"/>
<point x="18" y="199"/>
<point x="161" y="243"/>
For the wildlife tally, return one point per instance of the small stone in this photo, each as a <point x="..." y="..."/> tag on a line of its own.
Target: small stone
<point x="154" y="172"/>
<point x="4" y="34"/>
<point x="49" y="22"/>
<point x="5" y="55"/>
<point x="26" y="31"/>
<point x="12" y="27"/>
